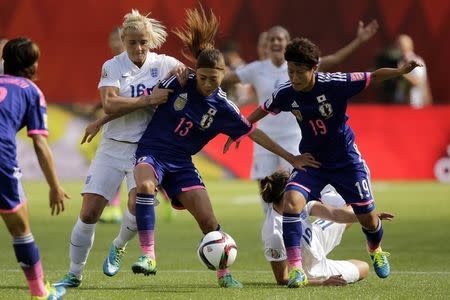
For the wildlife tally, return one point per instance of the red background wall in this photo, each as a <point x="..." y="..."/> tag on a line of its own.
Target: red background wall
<point x="397" y="142"/>
<point x="73" y="34"/>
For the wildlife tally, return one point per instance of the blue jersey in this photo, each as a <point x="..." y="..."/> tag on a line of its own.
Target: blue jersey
<point x="21" y="104"/>
<point x="188" y="121"/>
<point x="321" y="115"/>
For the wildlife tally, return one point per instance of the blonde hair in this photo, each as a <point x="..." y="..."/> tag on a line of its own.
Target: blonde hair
<point x="198" y="33"/>
<point x="136" y="21"/>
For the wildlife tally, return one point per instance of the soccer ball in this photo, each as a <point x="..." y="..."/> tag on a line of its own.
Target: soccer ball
<point x="217" y="250"/>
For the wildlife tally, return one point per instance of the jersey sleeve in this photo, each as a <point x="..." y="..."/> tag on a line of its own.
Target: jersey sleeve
<point x="110" y="74"/>
<point x="309" y="206"/>
<point x="350" y="84"/>
<point x="36" y="114"/>
<point x="234" y="124"/>
<point x="246" y="73"/>
<point x="273" y="105"/>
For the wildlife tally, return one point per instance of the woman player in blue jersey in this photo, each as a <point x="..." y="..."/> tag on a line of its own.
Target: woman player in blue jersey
<point x="23" y="104"/>
<point x="193" y="115"/>
<point x="319" y="102"/>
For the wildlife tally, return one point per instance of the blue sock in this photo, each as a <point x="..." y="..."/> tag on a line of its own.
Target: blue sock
<point x="145" y="211"/>
<point x="292" y="230"/>
<point x="374" y="236"/>
<point x="145" y="221"/>
<point x="292" y="234"/>
<point x="27" y="253"/>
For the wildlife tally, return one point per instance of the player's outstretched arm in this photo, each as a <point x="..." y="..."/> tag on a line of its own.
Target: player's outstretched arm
<point x="387" y="73"/>
<point x="298" y="162"/>
<point x="363" y="34"/>
<point x="45" y="158"/>
<point x="254" y="117"/>
<point x="115" y="104"/>
<point x="338" y="215"/>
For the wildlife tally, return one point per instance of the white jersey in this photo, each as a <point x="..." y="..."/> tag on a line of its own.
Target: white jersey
<point x="266" y="78"/>
<point x="133" y="81"/>
<point x="272" y="233"/>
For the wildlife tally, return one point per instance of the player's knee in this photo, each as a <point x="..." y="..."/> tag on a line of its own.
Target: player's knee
<point x="89" y="216"/>
<point x="294" y="202"/>
<point x="146" y="187"/>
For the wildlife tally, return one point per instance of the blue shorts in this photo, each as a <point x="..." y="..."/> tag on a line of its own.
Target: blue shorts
<point x="352" y="182"/>
<point x="174" y="178"/>
<point x="12" y="196"/>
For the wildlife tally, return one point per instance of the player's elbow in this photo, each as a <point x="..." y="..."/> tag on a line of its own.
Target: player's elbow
<point x="108" y="107"/>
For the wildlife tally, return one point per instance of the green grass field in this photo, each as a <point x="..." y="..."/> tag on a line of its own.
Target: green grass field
<point x="418" y="239"/>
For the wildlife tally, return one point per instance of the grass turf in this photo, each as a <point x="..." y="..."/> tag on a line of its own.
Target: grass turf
<point x="418" y="240"/>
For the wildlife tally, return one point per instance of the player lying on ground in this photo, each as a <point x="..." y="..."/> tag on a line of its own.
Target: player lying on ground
<point x="319" y="238"/>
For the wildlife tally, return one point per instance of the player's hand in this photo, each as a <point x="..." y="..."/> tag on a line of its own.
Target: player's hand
<point x="363" y="34"/>
<point x="90" y="132"/>
<point x="409" y="66"/>
<point x="158" y="96"/>
<point x="57" y="197"/>
<point x="304" y="160"/>
<point x="228" y="144"/>
<point x="336" y="280"/>
<point x="386" y="216"/>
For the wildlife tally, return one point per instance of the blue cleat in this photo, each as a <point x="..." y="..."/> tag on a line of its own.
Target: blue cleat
<point x="53" y="293"/>
<point x="380" y="263"/>
<point x="227" y="281"/>
<point x="112" y="263"/>
<point x="297" y="278"/>
<point x="69" y="280"/>
<point x="145" y="265"/>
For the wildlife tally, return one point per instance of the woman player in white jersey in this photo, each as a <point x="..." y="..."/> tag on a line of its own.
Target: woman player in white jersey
<point x="319" y="238"/>
<point x="266" y="76"/>
<point x="125" y="85"/>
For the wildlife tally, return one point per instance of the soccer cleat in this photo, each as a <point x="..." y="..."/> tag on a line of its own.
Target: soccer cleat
<point x="53" y="293"/>
<point x="111" y="266"/>
<point x="145" y="265"/>
<point x="111" y="215"/>
<point x="227" y="281"/>
<point x="69" y="280"/>
<point x="297" y="278"/>
<point x="380" y="262"/>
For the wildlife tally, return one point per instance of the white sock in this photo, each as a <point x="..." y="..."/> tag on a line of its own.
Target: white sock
<point x="128" y="230"/>
<point x="81" y="243"/>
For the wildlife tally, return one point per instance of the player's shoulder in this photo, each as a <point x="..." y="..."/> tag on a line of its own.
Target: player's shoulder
<point x="283" y="89"/>
<point x="163" y="59"/>
<point x="224" y="102"/>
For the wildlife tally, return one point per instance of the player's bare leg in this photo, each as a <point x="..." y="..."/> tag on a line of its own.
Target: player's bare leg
<point x="197" y="202"/>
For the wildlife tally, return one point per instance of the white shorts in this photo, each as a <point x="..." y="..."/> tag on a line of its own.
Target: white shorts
<point x="326" y="236"/>
<point x="265" y="162"/>
<point x="113" y="162"/>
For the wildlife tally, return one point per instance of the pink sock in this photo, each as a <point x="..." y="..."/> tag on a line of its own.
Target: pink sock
<point x="147" y="241"/>
<point x="116" y="200"/>
<point x="35" y="278"/>
<point x="294" y="257"/>
<point x="222" y="272"/>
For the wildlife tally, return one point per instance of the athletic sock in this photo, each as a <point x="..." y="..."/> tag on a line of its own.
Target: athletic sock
<point x="27" y="254"/>
<point x="81" y="242"/>
<point x="292" y="233"/>
<point x="128" y="230"/>
<point x="145" y="220"/>
<point x="374" y="237"/>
